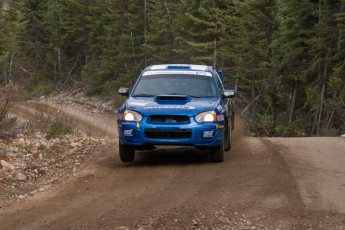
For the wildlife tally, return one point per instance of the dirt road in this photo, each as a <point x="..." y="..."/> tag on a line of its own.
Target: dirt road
<point x="264" y="183"/>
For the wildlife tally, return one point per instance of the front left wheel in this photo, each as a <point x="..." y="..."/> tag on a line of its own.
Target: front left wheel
<point x="217" y="153"/>
<point x="127" y="153"/>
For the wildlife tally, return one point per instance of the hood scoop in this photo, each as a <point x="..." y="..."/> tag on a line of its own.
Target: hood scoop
<point x="172" y="98"/>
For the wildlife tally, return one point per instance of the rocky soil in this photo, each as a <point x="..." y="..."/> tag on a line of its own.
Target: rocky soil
<point x="30" y="163"/>
<point x="33" y="164"/>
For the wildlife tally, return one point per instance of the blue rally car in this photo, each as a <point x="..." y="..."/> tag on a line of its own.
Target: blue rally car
<point x="185" y="105"/>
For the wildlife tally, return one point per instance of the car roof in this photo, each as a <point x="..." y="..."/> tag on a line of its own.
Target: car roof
<point x="185" y="67"/>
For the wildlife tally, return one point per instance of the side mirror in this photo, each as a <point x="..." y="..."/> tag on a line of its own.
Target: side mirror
<point x="221" y="75"/>
<point x="229" y="93"/>
<point x="123" y="91"/>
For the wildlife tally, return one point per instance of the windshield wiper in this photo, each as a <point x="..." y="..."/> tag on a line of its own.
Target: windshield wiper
<point x="143" y="95"/>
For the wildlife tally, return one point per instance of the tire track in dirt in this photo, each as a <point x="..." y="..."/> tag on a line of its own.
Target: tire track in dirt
<point x="90" y="124"/>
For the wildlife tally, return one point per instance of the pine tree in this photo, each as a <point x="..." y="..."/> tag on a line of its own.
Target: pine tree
<point x="52" y="21"/>
<point x="291" y="58"/>
<point x="336" y="82"/>
<point x="122" y="56"/>
<point x="74" y="27"/>
<point x="162" y="17"/>
<point x="9" y="28"/>
<point x="200" y="29"/>
<point x="33" y="45"/>
<point x="323" y="45"/>
<point x="251" y="28"/>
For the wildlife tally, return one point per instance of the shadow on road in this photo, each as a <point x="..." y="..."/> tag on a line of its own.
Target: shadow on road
<point x="163" y="156"/>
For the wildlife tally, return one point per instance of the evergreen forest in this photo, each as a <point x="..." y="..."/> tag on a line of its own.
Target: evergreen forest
<point x="286" y="59"/>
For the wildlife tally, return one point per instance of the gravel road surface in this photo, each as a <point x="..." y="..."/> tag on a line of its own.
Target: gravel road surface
<point x="264" y="183"/>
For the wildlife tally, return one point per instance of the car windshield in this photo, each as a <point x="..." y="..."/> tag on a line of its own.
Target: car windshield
<point x="175" y="84"/>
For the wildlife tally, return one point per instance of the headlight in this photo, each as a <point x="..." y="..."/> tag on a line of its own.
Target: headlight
<point x="130" y="115"/>
<point x="209" y="116"/>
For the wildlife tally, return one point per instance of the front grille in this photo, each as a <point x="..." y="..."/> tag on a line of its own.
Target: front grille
<point x="169" y="119"/>
<point x="168" y="134"/>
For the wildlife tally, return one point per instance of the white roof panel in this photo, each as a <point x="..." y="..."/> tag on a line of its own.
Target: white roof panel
<point x="161" y="72"/>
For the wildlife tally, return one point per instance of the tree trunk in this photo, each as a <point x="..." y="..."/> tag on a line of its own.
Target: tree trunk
<point x="320" y="109"/>
<point x="315" y="124"/>
<point x="57" y="65"/>
<point x="215" y="46"/>
<point x="59" y="62"/>
<point x="332" y="113"/>
<point x="323" y="87"/>
<point x="171" y="37"/>
<point x="253" y="105"/>
<point x="340" y="31"/>
<point x="5" y="75"/>
<point x="11" y="64"/>
<point x="313" y="130"/>
<point x="293" y="103"/>
<point x="330" y="120"/>
<point x="145" y="29"/>
<point x="215" y="53"/>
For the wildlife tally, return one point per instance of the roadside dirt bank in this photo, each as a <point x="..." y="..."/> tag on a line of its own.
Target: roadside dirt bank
<point x="318" y="166"/>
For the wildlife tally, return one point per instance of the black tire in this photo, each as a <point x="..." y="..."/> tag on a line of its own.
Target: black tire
<point x="227" y="137"/>
<point x="217" y="153"/>
<point x="127" y="153"/>
<point x="232" y="120"/>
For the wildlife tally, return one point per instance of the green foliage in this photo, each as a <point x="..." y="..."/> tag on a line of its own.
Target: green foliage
<point x="59" y="127"/>
<point x="3" y="117"/>
<point x="294" y="129"/>
<point x="7" y="124"/>
<point x="109" y="89"/>
<point x="286" y="57"/>
<point x="331" y="133"/>
<point x="40" y="89"/>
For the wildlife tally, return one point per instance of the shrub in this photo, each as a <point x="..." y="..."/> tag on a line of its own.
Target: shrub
<point x="331" y="133"/>
<point x="59" y="127"/>
<point x="7" y="124"/>
<point x="41" y="88"/>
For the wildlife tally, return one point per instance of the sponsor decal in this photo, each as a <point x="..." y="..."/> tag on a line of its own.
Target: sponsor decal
<point x="220" y="126"/>
<point x="220" y="108"/>
<point x="138" y="104"/>
<point x="128" y="133"/>
<point x="138" y="126"/>
<point x="169" y="107"/>
<point x="208" y="133"/>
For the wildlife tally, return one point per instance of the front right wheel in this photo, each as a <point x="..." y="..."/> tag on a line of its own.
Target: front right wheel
<point x="228" y="137"/>
<point x="127" y="153"/>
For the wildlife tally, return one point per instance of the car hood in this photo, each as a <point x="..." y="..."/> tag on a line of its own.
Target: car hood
<point x="150" y="106"/>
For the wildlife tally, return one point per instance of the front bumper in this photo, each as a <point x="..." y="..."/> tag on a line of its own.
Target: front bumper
<point x="192" y="134"/>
